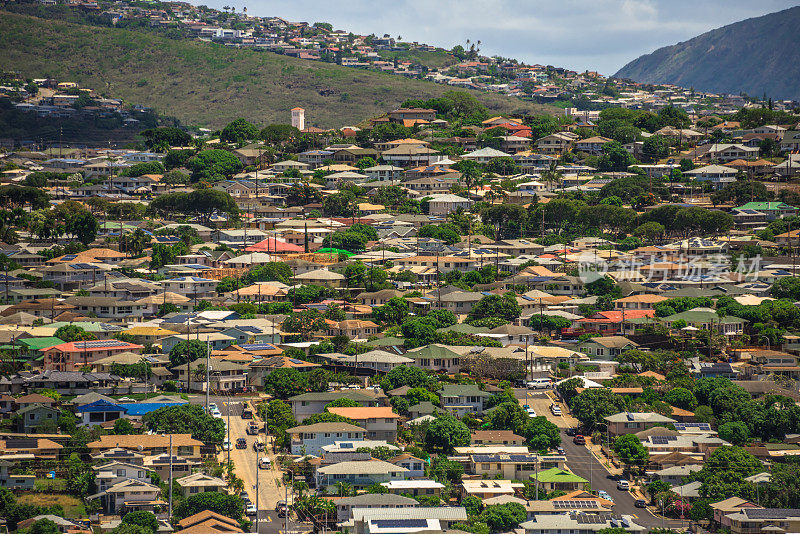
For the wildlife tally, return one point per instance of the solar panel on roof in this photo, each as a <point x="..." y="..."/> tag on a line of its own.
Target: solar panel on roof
<point x="97" y="344"/>
<point x="400" y="523"/>
<point x="69" y="257"/>
<point x="299" y="362"/>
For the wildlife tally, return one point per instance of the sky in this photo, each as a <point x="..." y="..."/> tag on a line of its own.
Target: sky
<point x="600" y="35"/>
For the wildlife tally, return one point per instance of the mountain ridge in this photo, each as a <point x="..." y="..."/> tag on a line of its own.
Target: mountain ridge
<point x="756" y="55"/>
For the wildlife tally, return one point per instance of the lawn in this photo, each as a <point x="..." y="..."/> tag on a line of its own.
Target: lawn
<point x="209" y="85"/>
<point x="73" y="507"/>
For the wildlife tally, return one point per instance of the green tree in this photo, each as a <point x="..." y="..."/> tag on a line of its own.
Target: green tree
<point x="213" y="165"/>
<point x="615" y="158"/>
<point x="542" y="434"/>
<point x="186" y="419"/>
<point x="503" y="517"/>
<point x="405" y="375"/>
<point x="681" y="398"/>
<point x="445" y="433"/>
<point x="239" y="131"/>
<point x="594" y="404"/>
<point x="43" y="526"/>
<point x="630" y="450"/>
<point x="142" y="518"/>
<point x="735" y="432"/>
<point x="70" y="333"/>
<point x="221" y="503"/>
<point x="286" y="382"/>
<point x="504" y="306"/>
<point x="193" y="349"/>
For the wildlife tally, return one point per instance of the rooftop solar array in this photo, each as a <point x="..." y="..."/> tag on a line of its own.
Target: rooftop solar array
<point x="99" y="344"/>
<point x="592" y="519"/>
<point x="582" y="504"/>
<point x="258" y="346"/>
<point x="662" y="440"/>
<point x="526" y="458"/>
<point x="400" y="523"/>
<point x="686" y="426"/>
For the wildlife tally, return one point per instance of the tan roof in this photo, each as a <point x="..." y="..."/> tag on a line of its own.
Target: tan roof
<point x="365" y="412"/>
<point x="145" y="440"/>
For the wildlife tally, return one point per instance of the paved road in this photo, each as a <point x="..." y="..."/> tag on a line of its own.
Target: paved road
<point x="587" y="466"/>
<point x="271" y="489"/>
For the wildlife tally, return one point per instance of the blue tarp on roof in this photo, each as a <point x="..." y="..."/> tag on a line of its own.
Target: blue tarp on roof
<point x="142" y="408"/>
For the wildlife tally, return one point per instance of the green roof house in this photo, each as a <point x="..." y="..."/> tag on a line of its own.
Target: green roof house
<point x="436" y="358"/>
<point x="460" y="399"/>
<point x="559" y="479"/>
<point x="30" y="347"/>
<point x="772" y="210"/>
<point x="707" y="319"/>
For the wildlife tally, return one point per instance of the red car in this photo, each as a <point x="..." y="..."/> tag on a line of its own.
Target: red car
<point x="579" y="440"/>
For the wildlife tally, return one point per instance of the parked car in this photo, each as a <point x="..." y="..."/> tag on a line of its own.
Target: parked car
<point x="571" y="431"/>
<point x="244" y="496"/>
<point x="579" y="440"/>
<point x="258" y="445"/>
<point x="560" y="450"/>
<point x="241" y="443"/>
<point x="556" y="409"/>
<point x="264" y="462"/>
<point x="623" y="485"/>
<point x="252" y="429"/>
<point x="250" y="509"/>
<point x="604" y="495"/>
<point x="539" y="383"/>
<point x="531" y="412"/>
<point x="226" y="445"/>
<point x="247" y="413"/>
<point x="640" y="503"/>
<point x="281" y="508"/>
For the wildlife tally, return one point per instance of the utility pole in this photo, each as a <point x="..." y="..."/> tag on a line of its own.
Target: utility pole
<point x="170" y="476"/>
<point x="208" y="371"/>
<point x="257" y="469"/>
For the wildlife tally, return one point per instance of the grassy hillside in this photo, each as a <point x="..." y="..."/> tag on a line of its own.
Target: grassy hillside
<point x="209" y="85"/>
<point x="758" y="55"/>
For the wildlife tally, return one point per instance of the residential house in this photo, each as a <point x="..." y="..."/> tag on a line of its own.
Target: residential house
<point x="495" y="437"/>
<point x="606" y="347"/>
<point x="111" y="473"/>
<point x="580" y="522"/>
<point x="308" y="404"/>
<point x="37" y="418"/>
<point x="633" y="422"/>
<point x="346" y="505"/>
<point x="380" y="422"/>
<point x="414" y="487"/>
<point x="309" y="439"/>
<point x="183" y="445"/>
<point x="358" y="474"/>
<point x="435" y="357"/>
<point x="460" y="399"/>
<point x="556" y="479"/>
<point x="200" y="483"/>
<point x="73" y="355"/>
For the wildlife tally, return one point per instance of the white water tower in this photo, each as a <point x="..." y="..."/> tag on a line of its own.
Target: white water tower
<point x="299" y="118"/>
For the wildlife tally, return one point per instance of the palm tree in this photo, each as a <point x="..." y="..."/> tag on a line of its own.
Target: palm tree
<point x="490" y="194"/>
<point x="552" y="174"/>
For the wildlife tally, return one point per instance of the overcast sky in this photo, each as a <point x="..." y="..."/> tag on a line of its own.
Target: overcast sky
<point x="600" y="35"/>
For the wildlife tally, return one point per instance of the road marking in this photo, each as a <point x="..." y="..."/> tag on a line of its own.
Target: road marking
<point x="268" y="519"/>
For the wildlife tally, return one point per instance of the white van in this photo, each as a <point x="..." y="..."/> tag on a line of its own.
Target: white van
<point x="539" y="383"/>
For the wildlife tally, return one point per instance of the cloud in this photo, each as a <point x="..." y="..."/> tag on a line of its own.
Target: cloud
<point x="599" y="35"/>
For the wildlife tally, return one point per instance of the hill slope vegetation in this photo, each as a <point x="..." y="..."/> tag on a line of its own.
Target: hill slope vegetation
<point x="206" y="84"/>
<point x="755" y="56"/>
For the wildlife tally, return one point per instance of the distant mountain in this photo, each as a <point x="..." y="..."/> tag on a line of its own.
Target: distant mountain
<point x="754" y="56"/>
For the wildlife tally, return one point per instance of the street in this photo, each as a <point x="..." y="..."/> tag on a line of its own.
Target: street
<point x="586" y="465"/>
<point x="271" y="488"/>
